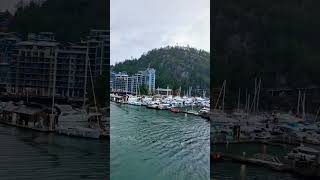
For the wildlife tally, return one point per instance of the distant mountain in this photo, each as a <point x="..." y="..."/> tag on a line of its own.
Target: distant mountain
<point x="70" y="20"/>
<point x="175" y="67"/>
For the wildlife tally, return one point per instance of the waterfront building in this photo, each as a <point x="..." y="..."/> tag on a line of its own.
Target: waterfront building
<point x="33" y="68"/>
<point x="120" y="83"/>
<point x="98" y="43"/>
<point x="148" y="79"/>
<point x="70" y="74"/>
<point x="163" y="91"/>
<point x="132" y="84"/>
<point x="36" y="63"/>
<point x="112" y="79"/>
<point x="7" y="44"/>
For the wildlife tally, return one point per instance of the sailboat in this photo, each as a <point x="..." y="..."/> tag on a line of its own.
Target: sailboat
<point x="220" y="111"/>
<point x="81" y="123"/>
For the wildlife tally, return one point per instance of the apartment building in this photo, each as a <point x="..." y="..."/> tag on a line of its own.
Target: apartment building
<point x="122" y="82"/>
<point x="41" y="64"/>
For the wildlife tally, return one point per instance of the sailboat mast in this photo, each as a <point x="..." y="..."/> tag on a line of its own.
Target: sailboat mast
<point x="224" y="94"/>
<point x="246" y="106"/>
<point x="239" y="98"/>
<point x="303" y="106"/>
<point x="54" y="81"/>
<point x="258" y="94"/>
<point x="248" y="103"/>
<point x="137" y="86"/>
<point x="93" y="90"/>
<point x="85" y="77"/>
<point x="253" y="105"/>
<point x="298" y="104"/>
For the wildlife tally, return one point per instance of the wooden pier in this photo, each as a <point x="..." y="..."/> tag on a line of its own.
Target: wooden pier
<point x="299" y="168"/>
<point x="274" y="164"/>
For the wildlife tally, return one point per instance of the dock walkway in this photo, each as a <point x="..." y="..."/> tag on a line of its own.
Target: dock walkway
<point x="269" y="162"/>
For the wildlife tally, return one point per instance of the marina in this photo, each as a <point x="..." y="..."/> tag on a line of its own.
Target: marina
<point x="296" y="133"/>
<point x="197" y="106"/>
<point x="298" y="137"/>
<point x="62" y="119"/>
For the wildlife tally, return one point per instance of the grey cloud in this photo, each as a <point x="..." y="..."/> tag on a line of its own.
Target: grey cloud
<point x="141" y="25"/>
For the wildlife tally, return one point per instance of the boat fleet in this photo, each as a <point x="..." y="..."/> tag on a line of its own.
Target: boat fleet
<point x="281" y="127"/>
<point x="199" y="106"/>
<point x="62" y="119"/>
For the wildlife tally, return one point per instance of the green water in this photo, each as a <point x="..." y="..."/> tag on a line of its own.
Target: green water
<point x="156" y="144"/>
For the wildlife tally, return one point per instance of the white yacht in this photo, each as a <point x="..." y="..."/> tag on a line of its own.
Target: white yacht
<point x="303" y="153"/>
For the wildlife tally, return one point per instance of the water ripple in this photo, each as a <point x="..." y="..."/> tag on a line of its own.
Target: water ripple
<point x="151" y="144"/>
<point x="25" y="154"/>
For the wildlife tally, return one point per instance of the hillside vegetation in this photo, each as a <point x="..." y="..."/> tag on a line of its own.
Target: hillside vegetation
<point x="69" y="19"/>
<point x="175" y="67"/>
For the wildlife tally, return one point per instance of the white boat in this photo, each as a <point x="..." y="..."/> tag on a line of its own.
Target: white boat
<point x="164" y="106"/>
<point x="303" y="153"/>
<point x="204" y="110"/>
<point x="74" y="122"/>
<point x="133" y="100"/>
<point x="193" y="112"/>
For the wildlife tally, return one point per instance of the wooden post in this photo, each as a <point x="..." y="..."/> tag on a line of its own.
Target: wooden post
<point x="239" y="99"/>
<point x="298" y="104"/>
<point x="224" y="94"/>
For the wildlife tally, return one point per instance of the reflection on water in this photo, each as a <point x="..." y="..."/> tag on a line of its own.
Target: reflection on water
<point x="155" y="144"/>
<point x="27" y="154"/>
<point x="243" y="172"/>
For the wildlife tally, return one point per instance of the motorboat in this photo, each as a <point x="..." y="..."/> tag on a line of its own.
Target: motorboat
<point x="303" y="153"/>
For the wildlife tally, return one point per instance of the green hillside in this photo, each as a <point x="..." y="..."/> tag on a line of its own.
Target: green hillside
<point x="175" y="67"/>
<point x="70" y="20"/>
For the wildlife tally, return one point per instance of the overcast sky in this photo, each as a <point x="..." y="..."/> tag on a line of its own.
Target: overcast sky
<point x="141" y="25"/>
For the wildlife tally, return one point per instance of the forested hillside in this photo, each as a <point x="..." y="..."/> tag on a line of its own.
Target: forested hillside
<point x="69" y="19"/>
<point x="175" y="67"/>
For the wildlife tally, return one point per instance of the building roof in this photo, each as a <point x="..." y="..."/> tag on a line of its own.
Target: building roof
<point x="37" y="43"/>
<point x="162" y="89"/>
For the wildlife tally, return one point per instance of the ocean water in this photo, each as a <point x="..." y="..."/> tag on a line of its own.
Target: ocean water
<point x="156" y="144"/>
<point x="27" y="154"/>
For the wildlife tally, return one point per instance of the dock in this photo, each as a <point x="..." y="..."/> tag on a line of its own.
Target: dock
<point x="259" y="159"/>
<point x="268" y="161"/>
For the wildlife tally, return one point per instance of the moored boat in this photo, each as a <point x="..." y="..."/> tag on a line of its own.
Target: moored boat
<point x="174" y="110"/>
